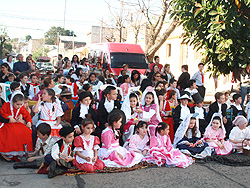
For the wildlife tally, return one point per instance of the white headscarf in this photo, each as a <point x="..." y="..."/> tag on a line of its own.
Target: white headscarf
<point x="126" y="106"/>
<point x="151" y="89"/>
<point x="11" y="102"/>
<point x="221" y="118"/>
<point x="182" y="129"/>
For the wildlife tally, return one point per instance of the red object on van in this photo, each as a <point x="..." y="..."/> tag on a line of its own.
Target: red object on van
<point x="114" y="55"/>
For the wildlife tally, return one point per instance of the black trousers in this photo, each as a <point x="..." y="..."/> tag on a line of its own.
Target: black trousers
<point x="202" y="91"/>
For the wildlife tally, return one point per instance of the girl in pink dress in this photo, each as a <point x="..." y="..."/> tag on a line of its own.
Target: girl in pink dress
<point x="86" y="146"/>
<point x="162" y="152"/>
<point x="215" y="134"/>
<point x="150" y="109"/>
<point x="111" y="153"/>
<point x="139" y="142"/>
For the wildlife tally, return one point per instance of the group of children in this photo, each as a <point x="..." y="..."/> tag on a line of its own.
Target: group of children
<point x="111" y="134"/>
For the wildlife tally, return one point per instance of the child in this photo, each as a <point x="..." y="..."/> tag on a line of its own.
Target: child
<point x="130" y="107"/>
<point x="182" y="110"/>
<point x="71" y="82"/>
<point x="166" y="111"/>
<point x="191" y="87"/>
<point x="26" y="89"/>
<point x="139" y="142"/>
<point x="236" y="106"/>
<point x="188" y="139"/>
<point x="111" y="153"/>
<point x="59" y="79"/>
<point x="61" y="157"/>
<point x="67" y="106"/>
<point x="126" y="85"/>
<point x="219" y="106"/>
<point x="215" y="134"/>
<point x="11" y="78"/>
<point x="79" y="112"/>
<point x="248" y="108"/>
<point x="199" y="79"/>
<point x="162" y="152"/>
<point x="173" y="85"/>
<point x="15" y="134"/>
<point x="150" y="108"/>
<point x="106" y="105"/>
<point x="228" y="102"/>
<point x="14" y="86"/>
<point x="200" y="110"/>
<point x="86" y="147"/>
<point x="239" y="133"/>
<point x="50" y="112"/>
<point x="26" y="104"/>
<point x="43" y="147"/>
<point x="34" y="83"/>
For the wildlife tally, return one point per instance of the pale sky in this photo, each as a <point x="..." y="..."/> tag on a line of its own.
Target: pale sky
<point x="34" y="17"/>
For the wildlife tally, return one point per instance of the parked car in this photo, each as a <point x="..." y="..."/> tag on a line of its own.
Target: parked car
<point x="43" y="64"/>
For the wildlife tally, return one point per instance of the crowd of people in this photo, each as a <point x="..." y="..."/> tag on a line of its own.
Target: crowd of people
<point x="86" y="117"/>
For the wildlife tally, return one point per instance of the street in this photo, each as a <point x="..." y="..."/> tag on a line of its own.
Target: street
<point x="197" y="175"/>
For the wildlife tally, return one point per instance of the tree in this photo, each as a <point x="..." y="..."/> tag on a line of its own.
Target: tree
<point x="220" y="27"/>
<point x="3" y="39"/>
<point x="28" y="37"/>
<point x="52" y="34"/>
<point x="39" y="53"/>
<point x="155" y="35"/>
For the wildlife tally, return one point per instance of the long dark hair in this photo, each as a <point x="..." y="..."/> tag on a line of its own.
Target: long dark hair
<point x="194" y="129"/>
<point x="7" y="66"/>
<point x="132" y="75"/>
<point x="161" y="126"/>
<point x="78" y="71"/>
<point x="150" y="93"/>
<point x="133" y="95"/>
<point x="145" y="83"/>
<point x="51" y="93"/>
<point x="112" y="118"/>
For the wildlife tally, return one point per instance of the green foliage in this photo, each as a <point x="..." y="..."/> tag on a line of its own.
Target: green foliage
<point x="39" y="53"/>
<point x="27" y="37"/>
<point x="51" y="35"/>
<point x="7" y="48"/>
<point x="220" y="27"/>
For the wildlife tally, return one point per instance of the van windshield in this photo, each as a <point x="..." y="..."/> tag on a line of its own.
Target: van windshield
<point x="134" y="61"/>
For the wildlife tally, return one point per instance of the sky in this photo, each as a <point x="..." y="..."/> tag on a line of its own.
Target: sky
<point x="34" y="17"/>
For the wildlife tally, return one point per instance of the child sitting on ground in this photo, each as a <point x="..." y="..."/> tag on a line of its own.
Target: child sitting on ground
<point x="215" y="134"/>
<point x="86" y="146"/>
<point x="43" y="147"/>
<point x="61" y="157"/>
<point x="236" y="106"/>
<point x="239" y="133"/>
<point x="162" y="152"/>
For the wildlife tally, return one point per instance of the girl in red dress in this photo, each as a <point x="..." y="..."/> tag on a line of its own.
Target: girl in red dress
<point x="86" y="146"/>
<point x="16" y="133"/>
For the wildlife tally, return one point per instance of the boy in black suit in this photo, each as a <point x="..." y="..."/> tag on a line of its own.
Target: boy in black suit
<point x="107" y="104"/>
<point x="236" y="106"/>
<point x="199" y="109"/>
<point x="219" y="106"/>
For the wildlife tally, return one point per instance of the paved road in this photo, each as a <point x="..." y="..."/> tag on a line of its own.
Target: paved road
<point x="197" y="175"/>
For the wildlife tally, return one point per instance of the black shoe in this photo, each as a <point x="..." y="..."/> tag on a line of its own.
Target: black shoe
<point x="52" y="170"/>
<point x="64" y="163"/>
<point x="32" y="165"/>
<point x="60" y="170"/>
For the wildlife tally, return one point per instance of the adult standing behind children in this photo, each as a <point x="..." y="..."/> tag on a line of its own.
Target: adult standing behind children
<point x="199" y="78"/>
<point x="182" y="82"/>
<point x="20" y="66"/>
<point x="157" y="62"/>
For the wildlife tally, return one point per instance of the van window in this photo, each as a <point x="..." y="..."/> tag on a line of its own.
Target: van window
<point x="105" y="61"/>
<point x="134" y="60"/>
<point x="90" y="54"/>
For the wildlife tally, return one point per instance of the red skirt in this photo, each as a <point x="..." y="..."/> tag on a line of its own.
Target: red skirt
<point x="170" y="122"/>
<point x="13" y="136"/>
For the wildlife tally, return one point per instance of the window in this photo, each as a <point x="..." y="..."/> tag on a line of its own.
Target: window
<point x="105" y="61"/>
<point x="168" y="50"/>
<point x="134" y="60"/>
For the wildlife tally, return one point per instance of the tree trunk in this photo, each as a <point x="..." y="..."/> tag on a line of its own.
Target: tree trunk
<point x="152" y="49"/>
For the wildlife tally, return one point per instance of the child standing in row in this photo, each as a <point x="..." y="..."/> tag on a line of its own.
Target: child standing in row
<point x="215" y="134"/>
<point x="50" y="112"/>
<point x="86" y="146"/>
<point x="162" y="152"/>
<point x="111" y="153"/>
